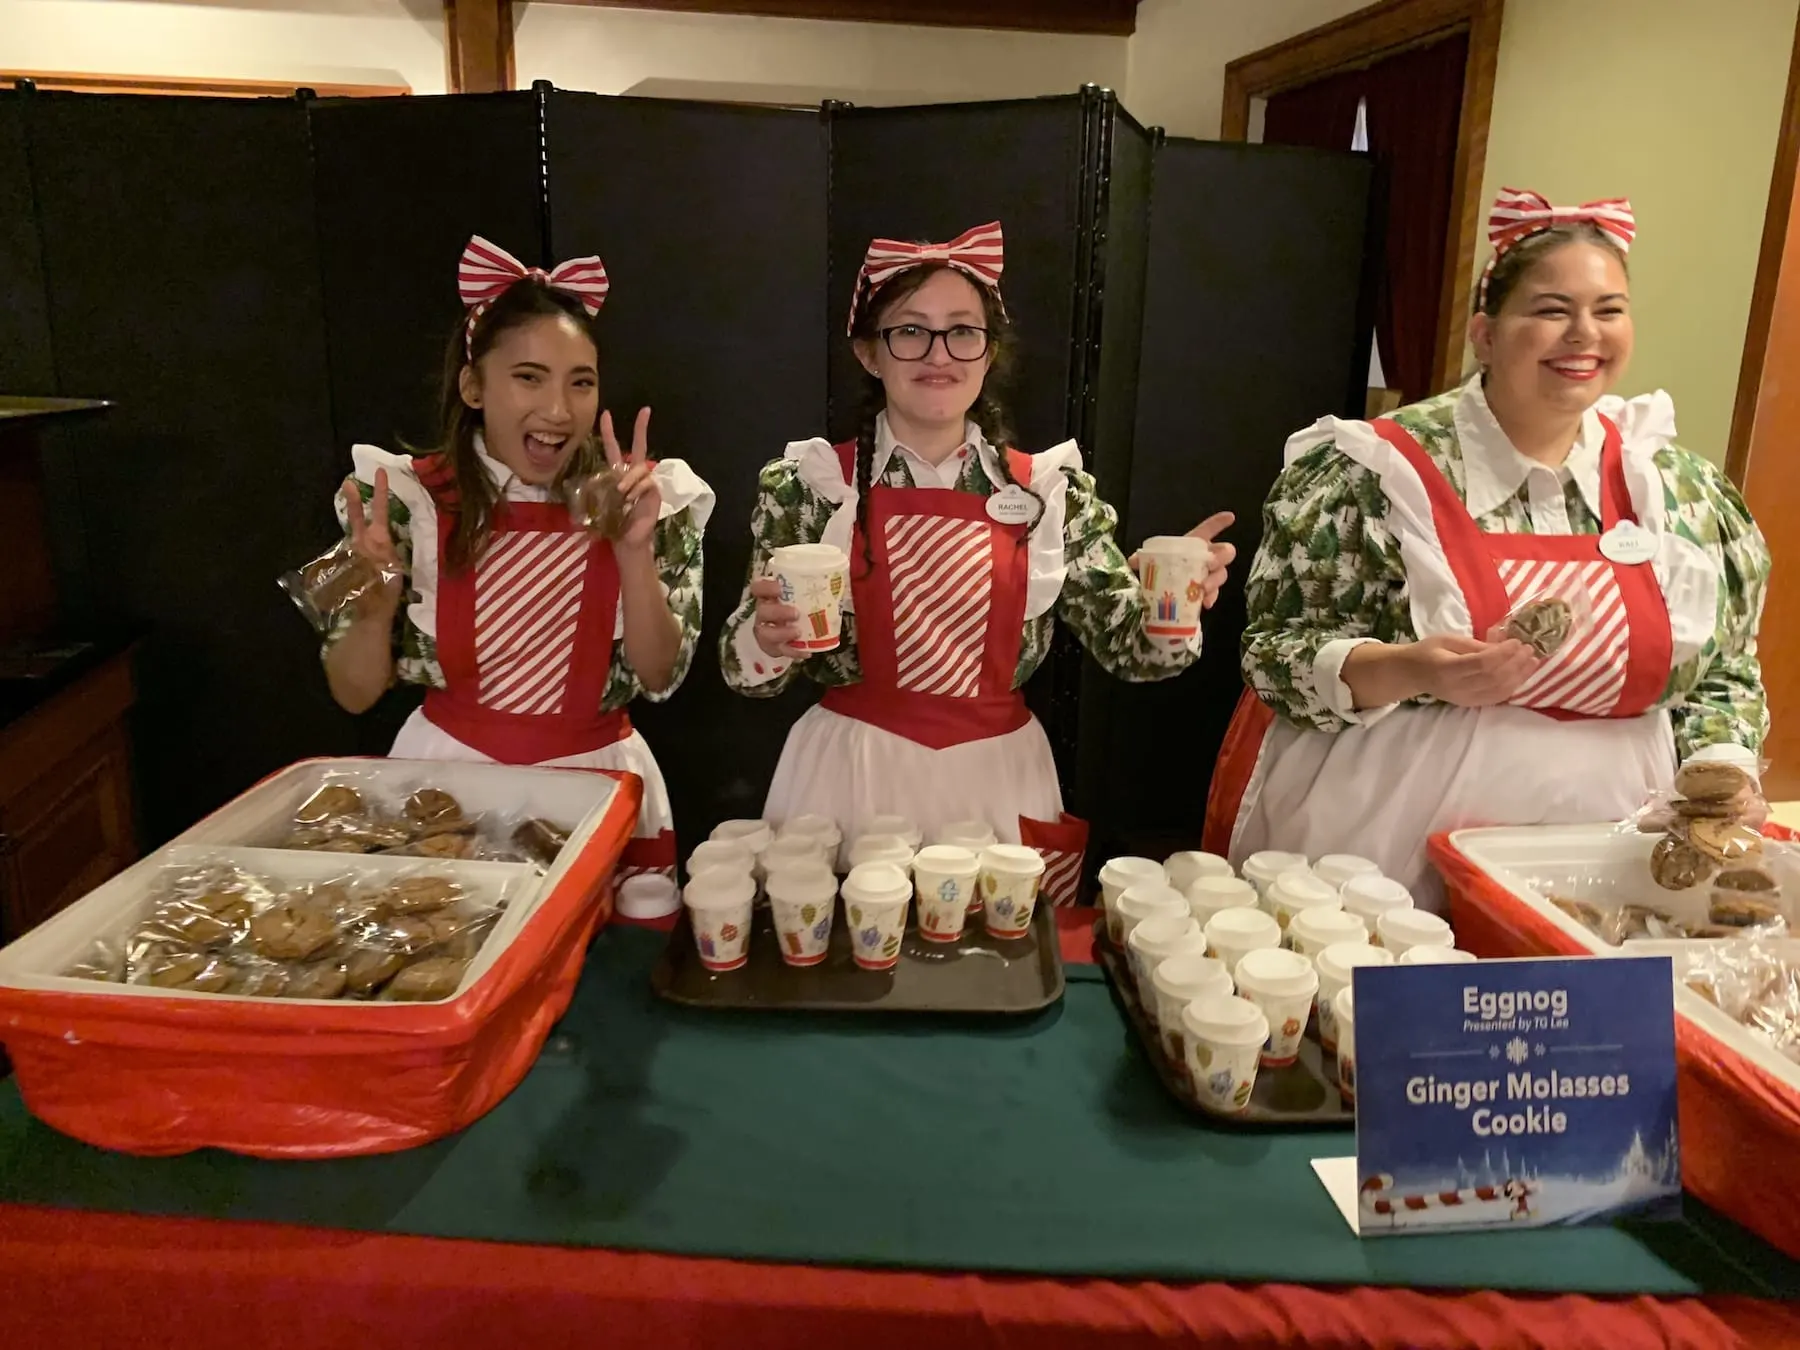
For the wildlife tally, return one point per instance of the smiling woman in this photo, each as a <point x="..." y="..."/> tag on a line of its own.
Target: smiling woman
<point x="530" y="636"/>
<point x="1399" y="557"/>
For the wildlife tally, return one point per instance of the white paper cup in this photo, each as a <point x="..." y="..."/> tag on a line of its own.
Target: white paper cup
<point x="1156" y="940"/>
<point x="1344" y="1005"/>
<point x="970" y="834"/>
<point x="756" y="835"/>
<point x="648" y="895"/>
<point x="1147" y="900"/>
<point x="1232" y="933"/>
<point x="1296" y="891"/>
<point x="1010" y="874"/>
<point x="1172" y="569"/>
<point x="1225" y="1037"/>
<point x="1436" y="956"/>
<point x="719" y="902"/>
<point x="1261" y="869"/>
<point x="875" y="900"/>
<point x="1178" y="981"/>
<point x="1208" y="895"/>
<point x="792" y="850"/>
<point x="823" y="831"/>
<point x="1311" y="931"/>
<point x="944" y="880"/>
<point x="730" y="854"/>
<point x="1336" y="868"/>
<point x="1370" y="897"/>
<point x="1334" y="965"/>
<point x="803" y="898"/>
<point x="1400" y="930"/>
<point x="881" y="848"/>
<point x="813" y="578"/>
<point x="1120" y="874"/>
<point x="1283" y="985"/>
<point x="899" y="826"/>
<point x="1184" y="869"/>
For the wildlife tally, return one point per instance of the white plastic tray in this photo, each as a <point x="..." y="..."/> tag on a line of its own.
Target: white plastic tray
<point x="261" y="816"/>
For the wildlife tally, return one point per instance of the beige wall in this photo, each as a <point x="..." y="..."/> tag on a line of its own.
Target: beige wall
<point x="349" y="41"/>
<point x="1677" y="105"/>
<point x="613" y="51"/>
<point x="1181" y="48"/>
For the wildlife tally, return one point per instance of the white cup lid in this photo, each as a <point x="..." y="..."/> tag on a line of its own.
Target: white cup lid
<point x="1336" y="961"/>
<point x="1221" y="888"/>
<point x="1278" y="973"/>
<point x="1225" y="1019"/>
<point x="885" y="848"/>
<point x="876" y="883"/>
<point x="732" y="853"/>
<point x="811" y="827"/>
<point x="1150" y="899"/>
<point x="792" y="850"/>
<point x="1302" y="890"/>
<point x="1436" y="956"/>
<point x="720" y="888"/>
<point x="809" y="883"/>
<point x="1337" y="868"/>
<point x="1271" y="863"/>
<point x="1189" y="976"/>
<point x="1414" y="928"/>
<point x="1187" y="545"/>
<point x="1326" y="926"/>
<point x="1375" y="895"/>
<point x="754" y="834"/>
<point x="1124" y="871"/>
<point x="946" y="858"/>
<point x="1240" y="924"/>
<point x="810" y="557"/>
<point x="1013" y="860"/>
<point x="1166" y="935"/>
<point x="648" y="895"/>
<point x="895" y="825"/>
<point x="1183" y="869"/>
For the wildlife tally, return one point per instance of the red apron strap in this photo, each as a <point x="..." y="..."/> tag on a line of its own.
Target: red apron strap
<point x="1250" y="722"/>
<point x="1615" y="494"/>
<point x="1650" y="640"/>
<point x="1459" y="536"/>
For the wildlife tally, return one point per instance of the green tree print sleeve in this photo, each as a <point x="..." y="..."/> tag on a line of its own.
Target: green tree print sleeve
<point x="1726" y="703"/>
<point x="679" y="566"/>
<point x="1327" y="570"/>
<point x="1101" y="599"/>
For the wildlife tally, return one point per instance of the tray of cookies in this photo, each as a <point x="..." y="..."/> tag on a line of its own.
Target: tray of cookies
<point x="244" y="988"/>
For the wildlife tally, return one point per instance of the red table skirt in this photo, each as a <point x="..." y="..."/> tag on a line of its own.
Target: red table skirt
<point x="110" y="1281"/>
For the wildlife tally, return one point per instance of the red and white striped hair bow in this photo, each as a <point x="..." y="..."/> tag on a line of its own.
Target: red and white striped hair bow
<point x="1518" y="214"/>
<point x="486" y="270"/>
<point x="978" y="253"/>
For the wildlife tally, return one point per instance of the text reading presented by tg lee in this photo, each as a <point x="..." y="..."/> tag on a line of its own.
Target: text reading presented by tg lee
<point x="1490" y="1101"/>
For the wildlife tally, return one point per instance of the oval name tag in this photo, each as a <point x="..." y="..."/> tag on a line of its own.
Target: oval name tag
<point x="1627" y="544"/>
<point x="1012" y="505"/>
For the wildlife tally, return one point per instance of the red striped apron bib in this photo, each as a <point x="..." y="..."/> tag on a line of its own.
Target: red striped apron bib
<point x="940" y="619"/>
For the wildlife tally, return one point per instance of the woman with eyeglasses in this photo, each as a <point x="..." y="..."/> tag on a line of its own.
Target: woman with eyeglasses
<point x="962" y="550"/>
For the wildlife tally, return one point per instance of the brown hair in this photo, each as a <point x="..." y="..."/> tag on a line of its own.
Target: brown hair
<point x="523" y="302"/>
<point x="988" y="413"/>
<point x="1510" y="268"/>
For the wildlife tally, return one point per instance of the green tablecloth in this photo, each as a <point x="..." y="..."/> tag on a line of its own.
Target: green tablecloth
<point x="1040" y="1146"/>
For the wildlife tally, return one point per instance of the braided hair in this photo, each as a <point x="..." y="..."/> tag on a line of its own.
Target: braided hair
<point x="987" y="412"/>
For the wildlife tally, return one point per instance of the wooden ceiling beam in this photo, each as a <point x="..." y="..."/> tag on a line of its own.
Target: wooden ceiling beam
<point x="478" y="45"/>
<point x="1114" y="18"/>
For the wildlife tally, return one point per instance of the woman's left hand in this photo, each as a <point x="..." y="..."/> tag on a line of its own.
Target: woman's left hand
<point x="1218" y="564"/>
<point x="637" y="481"/>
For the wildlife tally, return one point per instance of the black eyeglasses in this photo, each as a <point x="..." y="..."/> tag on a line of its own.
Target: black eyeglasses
<point x="912" y="342"/>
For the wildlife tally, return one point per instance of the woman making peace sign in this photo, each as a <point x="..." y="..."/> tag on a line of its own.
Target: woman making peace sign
<point x="530" y="635"/>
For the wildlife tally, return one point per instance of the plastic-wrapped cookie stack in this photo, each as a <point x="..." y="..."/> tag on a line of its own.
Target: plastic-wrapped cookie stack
<point x="1706" y="840"/>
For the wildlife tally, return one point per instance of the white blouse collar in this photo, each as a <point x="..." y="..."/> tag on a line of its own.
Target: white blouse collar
<point x="505" y="481"/>
<point x="886" y="446"/>
<point x="1494" y="470"/>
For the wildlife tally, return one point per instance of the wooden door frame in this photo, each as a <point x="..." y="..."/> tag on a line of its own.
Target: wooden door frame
<point x="195" y="85"/>
<point x="1768" y="277"/>
<point x="1359" y="40"/>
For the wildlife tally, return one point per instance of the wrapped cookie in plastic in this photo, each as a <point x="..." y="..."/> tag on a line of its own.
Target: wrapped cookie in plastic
<point x="1547" y="620"/>
<point x="597" y="503"/>
<point x="333" y="581"/>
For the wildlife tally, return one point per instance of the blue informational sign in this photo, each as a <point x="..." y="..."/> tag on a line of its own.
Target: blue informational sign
<point x="1515" y="1093"/>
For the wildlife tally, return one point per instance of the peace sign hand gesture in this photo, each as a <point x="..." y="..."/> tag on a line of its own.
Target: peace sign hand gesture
<point x="373" y="544"/>
<point x="637" y="481"/>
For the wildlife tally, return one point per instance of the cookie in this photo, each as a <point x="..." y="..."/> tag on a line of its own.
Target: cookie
<point x="1742" y="911"/>
<point x="260" y="979"/>
<point x="446" y="845"/>
<point x="1710" y="780"/>
<point x="1543" y="625"/>
<point x="315" y="979"/>
<point x="419" y="895"/>
<point x="1693" y="808"/>
<point x="369" y="968"/>
<point x="598" y="505"/>
<point x="427" y="980"/>
<point x="294" y="927"/>
<point x="1580" y="911"/>
<point x="429" y="806"/>
<point x="408" y="934"/>
<point x="1749" y="880"/>
<point x="330" y="802"/>
<point x="1676" y="864"/>
<point x="172" y="970"/>
<point x="541" y="840"/>
<point x="1725" y="841"/>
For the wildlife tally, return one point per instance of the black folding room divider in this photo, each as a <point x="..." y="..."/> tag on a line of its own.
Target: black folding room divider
<point x="262" y="283"/>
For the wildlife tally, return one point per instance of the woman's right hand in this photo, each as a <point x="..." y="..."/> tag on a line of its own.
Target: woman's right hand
<point x="777" y="625"/>
<point x="371" y="541"/>
<point x="1470" y="673"/>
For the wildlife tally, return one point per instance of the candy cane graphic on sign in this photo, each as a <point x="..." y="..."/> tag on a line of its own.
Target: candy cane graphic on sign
<point x="1379" y="1198"/>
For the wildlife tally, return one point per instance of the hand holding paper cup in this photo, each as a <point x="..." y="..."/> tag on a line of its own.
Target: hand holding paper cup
<point x="813" y="578"/>
<point x="1173" y="569"/>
